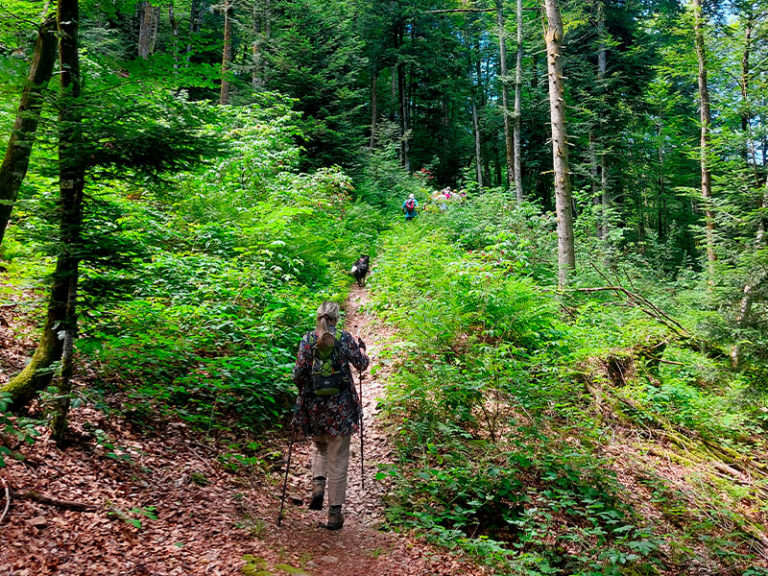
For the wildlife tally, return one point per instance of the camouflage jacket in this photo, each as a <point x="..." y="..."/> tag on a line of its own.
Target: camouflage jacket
<point x="337" y="415"/>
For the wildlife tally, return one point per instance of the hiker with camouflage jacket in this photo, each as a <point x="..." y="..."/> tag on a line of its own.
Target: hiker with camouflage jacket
<point x="330" y="420"/>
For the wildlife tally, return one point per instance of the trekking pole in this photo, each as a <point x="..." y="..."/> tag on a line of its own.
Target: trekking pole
<point x="362" y="453"/>
<point x="285" y="480"/>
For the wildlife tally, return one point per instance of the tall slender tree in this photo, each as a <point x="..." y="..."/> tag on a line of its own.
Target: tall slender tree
<point x="705" y="118"/>
<point x="226" y="53"/>
<point x="517" y="152"/>
<point x="504" y="78"/>
<point x="566" y="256"/>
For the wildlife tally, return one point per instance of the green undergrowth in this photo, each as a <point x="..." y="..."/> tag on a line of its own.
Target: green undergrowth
<point x="197" y="287"/>
<point x="498" y="403"/>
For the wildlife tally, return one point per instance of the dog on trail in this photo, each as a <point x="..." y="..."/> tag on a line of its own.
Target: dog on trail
<point x="360" y="269"/>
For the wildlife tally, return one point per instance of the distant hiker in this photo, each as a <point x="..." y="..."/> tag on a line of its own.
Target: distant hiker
<point x="445" y="195"/>
<point x="328" y="408"/>
<point x="410" y="207"/>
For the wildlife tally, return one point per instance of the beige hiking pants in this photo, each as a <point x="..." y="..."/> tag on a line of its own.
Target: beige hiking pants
<point x="330" y="458"/>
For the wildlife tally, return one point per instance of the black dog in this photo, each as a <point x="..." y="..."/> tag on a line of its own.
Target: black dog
<point x="360" y="269"/>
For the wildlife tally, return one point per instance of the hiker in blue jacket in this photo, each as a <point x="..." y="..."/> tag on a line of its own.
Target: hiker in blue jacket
<point x="410" y="207"/>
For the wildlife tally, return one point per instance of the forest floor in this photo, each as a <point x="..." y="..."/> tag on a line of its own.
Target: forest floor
<point x="123" y="500"/>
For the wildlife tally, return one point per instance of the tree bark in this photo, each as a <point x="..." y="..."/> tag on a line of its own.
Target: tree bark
<point x="149" y="19"/>
<point x="374" y="105"/>
<point x="602" y="67"/>
<point x="175" y="33"/>
<point x="566" y="258"/>
<point x="478" y="154"/>
<point x="749" y="151"/>
<point x="61" y="317"/>
<point x="517" y="115"/>
<point x="705" y="119"/>
<point x="509" y="146"/>
<point x="17" y="154"/>
<point x="403" y="111"/>
<point x="402" y="96"/>
<point x="745" y="306"/>
<point x="194" y="23"/>
<point x="261" y="34"/>
<point x="226" y="54"/>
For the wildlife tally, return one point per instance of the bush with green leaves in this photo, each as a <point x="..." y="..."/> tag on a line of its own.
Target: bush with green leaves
<point x="236" y="257"/>
<point x="492" y="397"/>
<point x="14" y="429"/>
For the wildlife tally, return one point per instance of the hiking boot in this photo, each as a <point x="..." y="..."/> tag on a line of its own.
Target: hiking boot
<point x="335" y="518"/>
<point x="318" y="493"/>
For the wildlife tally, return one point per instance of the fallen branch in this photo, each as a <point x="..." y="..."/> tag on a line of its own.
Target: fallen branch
<point x="64" y="504"/>
<point x="671" y="362"/>
<point x="460" y="10"/>
<point x="644" y="305"/>
<point x="7" y="500"/>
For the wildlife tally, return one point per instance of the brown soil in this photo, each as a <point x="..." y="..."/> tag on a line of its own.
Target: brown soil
<point x="209" y="521"/>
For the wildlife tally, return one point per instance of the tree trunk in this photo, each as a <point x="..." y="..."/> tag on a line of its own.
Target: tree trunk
<point x="504" y="93"/>
<point x="566" y="258"/>
<point x="149" y="18"/>
<point x="61" y="317"/>
<point x="749" y="148"/>
<point x="404" y="127"/>
<point x="478" y="155"/>
<point x="602" y="67"/>
<point x="175" y="33"/>
<point x="745" y="306"/>
<point x="744" y="82"/>
<point x="226" y="53"/>
<point x="194" y="23"/>
<point x="261" y="35"/>
<point x="62" y="403"/>
<point x="475" y="84"/>
<point x="705" y="118"/>
<point x="16" y="160"/>
<point x="374" y="105"/>
<point x="661" y="183"/>
<point x="749" y="151"/>
<point x="517" y="116"/>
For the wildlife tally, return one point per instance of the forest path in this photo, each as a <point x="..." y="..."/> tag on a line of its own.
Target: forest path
<point x="359" y="548"/>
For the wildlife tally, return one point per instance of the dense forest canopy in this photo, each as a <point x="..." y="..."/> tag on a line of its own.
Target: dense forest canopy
<point x="184" y="181"/>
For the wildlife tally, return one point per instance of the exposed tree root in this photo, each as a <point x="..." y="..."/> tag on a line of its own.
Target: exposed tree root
<point x="49" y="501"/>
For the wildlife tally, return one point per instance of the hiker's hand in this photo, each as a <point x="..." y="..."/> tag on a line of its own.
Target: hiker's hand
<point x="360" y="343"/>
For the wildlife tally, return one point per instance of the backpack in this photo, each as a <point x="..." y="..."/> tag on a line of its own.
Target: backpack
<point x="410" y="205"/>
<point x="326" y="366"/>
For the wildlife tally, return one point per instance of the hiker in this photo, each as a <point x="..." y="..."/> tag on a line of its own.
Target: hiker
<point x="328" y="408"/>
<point x="409" y="207"/>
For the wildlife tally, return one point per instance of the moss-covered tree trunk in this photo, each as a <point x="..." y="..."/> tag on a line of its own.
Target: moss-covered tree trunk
<point x="16" y="160"/>
<point x="61" y="320"/>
